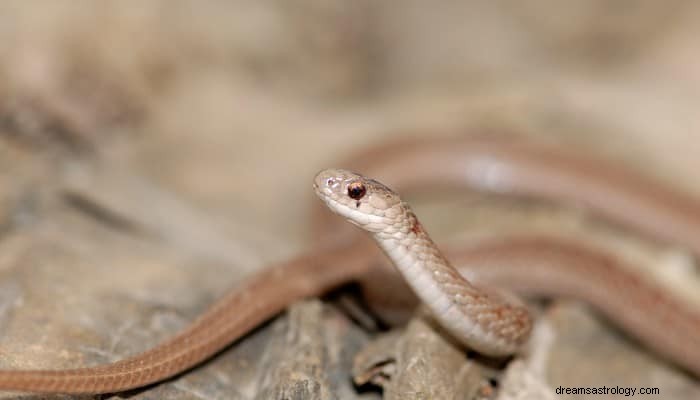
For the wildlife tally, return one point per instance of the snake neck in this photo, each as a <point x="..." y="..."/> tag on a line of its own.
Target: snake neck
<point x="486" y="324"/>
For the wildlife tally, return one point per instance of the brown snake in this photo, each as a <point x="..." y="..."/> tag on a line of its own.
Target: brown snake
<point x="531" y="265"/>
<point x="485" y="323"/>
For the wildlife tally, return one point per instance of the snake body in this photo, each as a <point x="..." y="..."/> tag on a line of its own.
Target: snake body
<point x="491" y="165"/>
<point x="481" y="321"/>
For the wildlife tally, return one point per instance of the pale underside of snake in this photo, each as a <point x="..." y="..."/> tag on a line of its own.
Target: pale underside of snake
<point x="531" y="265"/>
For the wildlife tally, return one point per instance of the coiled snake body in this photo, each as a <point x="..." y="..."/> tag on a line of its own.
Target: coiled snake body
<point x="483" y="321"/>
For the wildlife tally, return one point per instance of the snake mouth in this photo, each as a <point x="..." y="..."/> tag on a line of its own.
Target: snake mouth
<point x="322" y="192"/>
<point x="326" y="186"/>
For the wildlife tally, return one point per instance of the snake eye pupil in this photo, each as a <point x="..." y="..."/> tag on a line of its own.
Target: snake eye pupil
<point x="356" y="190"/>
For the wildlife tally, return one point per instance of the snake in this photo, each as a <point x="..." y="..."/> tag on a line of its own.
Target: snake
<point x="482" y="320"/>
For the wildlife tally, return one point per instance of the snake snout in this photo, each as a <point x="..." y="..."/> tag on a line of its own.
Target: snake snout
<point x="326" y="181"/>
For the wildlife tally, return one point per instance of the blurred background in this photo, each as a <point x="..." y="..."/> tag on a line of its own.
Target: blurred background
<point x="205" y="121"/>
<point x="202" y="94"/>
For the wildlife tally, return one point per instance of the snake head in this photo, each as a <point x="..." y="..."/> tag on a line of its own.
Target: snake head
<point x="363" y="201"/>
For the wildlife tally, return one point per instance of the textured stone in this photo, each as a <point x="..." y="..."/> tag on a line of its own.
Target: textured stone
<point x="419" y="363"/>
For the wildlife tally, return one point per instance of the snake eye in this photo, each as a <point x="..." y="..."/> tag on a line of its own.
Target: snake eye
<point x="356" y="190"/>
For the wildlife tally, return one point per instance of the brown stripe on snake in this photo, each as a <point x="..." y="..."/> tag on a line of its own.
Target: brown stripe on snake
<point x="478" y="163"/>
